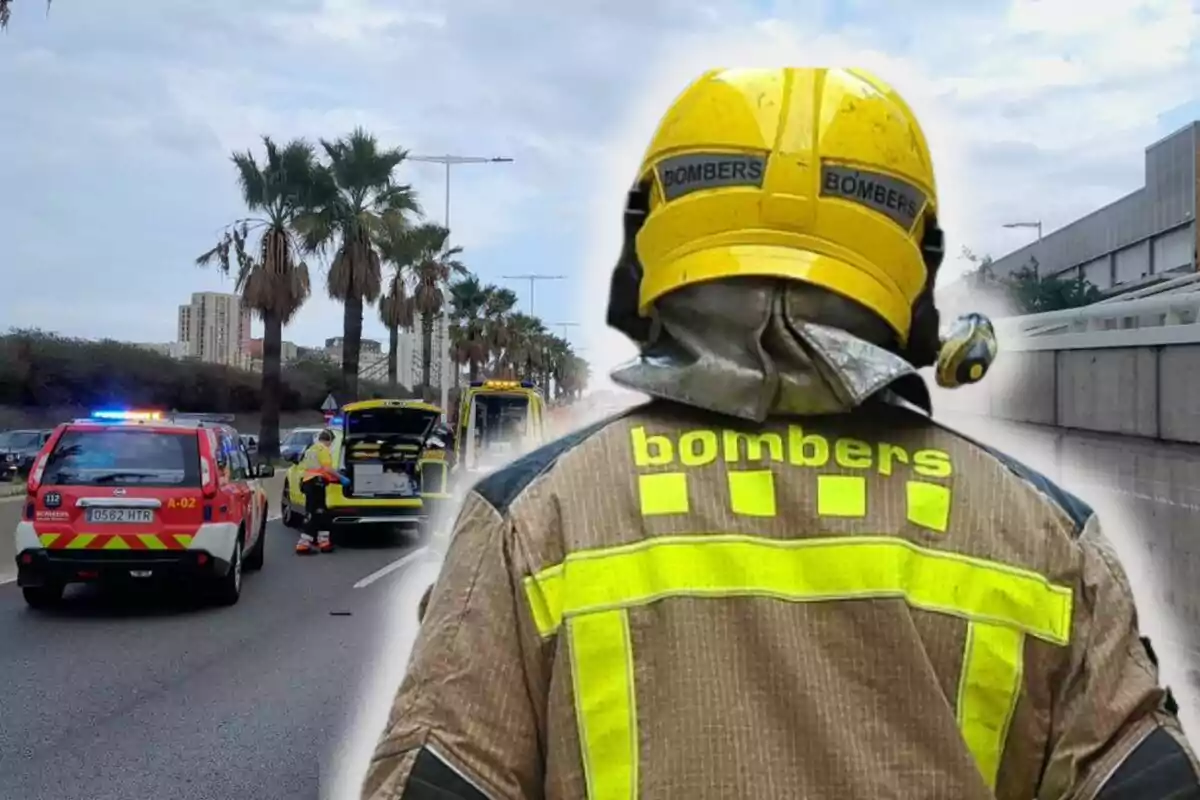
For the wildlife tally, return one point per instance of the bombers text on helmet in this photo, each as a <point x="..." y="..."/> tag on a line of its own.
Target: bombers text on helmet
<point x="811" y="174"/>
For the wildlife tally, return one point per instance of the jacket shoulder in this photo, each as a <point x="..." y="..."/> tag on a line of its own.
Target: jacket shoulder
<point x="504" y="485"/>
<point x="1074" y="509"/>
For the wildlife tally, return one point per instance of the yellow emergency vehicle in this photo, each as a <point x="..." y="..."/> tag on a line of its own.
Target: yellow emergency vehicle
<point x="497" y="421"/>
<point x="395" y="478"/>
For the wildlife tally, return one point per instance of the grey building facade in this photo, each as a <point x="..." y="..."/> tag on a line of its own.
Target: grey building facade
<point x="1150" y="231"/>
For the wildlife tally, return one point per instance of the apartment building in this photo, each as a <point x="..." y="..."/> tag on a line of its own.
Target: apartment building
<point x="440" y="343"/>
<point x="288" y="352"/>
<point x="215" y="328"/>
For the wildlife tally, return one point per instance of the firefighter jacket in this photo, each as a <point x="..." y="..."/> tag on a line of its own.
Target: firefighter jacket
<point x="318" y="463"/>
<point x="672" y="604"/>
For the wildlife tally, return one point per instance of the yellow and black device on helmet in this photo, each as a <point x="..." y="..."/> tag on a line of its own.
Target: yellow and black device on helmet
<point x="968" y="349"/>
<point x="812" y="174"/>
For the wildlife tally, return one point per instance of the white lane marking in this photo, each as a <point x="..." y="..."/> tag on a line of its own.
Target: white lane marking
<point x="392" y="567"/>
<point x="15" y="498"/>
<point x="277" y="516"/>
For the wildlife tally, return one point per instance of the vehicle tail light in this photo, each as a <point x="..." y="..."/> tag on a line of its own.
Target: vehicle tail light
<point x="208" y="478"/>
<point x="35" y="475"/>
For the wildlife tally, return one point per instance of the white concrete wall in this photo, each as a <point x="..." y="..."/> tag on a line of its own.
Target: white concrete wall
<point x="1149" y="392"/>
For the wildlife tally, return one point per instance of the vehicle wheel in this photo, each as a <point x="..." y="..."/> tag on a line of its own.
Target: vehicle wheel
<point x="254" y="559"/>
<point x="290" y="518"/>
<point x="46" y="596"/>
<point x="228" y="588"/>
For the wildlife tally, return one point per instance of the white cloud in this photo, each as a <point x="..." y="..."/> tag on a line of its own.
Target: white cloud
<point x="1034" y="109"/>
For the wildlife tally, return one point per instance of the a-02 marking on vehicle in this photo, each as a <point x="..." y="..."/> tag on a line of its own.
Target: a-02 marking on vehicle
<point x="181" y="502"/>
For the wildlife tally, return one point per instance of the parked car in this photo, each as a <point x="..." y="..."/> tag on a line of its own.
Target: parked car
<point x="18" y="449"/>
<point x="295" y="442"/>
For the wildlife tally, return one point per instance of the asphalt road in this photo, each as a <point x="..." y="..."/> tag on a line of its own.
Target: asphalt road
<point x="146" y="694"/>
<point x="283" y="695"/>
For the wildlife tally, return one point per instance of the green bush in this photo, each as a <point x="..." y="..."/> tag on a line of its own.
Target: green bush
<point x="39" y="369"/>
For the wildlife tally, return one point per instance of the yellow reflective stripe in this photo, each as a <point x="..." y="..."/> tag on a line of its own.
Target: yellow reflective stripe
<point x="151" y="541"/>
<point x="116" y="543"/>
<point x="802" y="571"/>
<point x="592" y="590"/>
<point x="184" y="539"/>
<point x="81" y="541"/>
<point x="544" y="592"/>
<point x="988" y="689"/>
<point x="602" y="670"/>
<point x="48" y="539"/>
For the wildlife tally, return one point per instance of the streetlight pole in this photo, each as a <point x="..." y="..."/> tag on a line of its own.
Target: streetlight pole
<point x="1037" y="223"/>
<point x="449" y="161"/>
<point x="564" y="326"/>
<point x="533" y="279"/>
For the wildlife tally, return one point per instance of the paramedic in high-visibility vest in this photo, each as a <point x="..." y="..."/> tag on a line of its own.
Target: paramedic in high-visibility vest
<point x="780" y="578"/>
<point x="319" y="472"/>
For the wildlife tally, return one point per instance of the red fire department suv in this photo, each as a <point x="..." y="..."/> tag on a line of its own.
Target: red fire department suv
<point x="140" y="495"/>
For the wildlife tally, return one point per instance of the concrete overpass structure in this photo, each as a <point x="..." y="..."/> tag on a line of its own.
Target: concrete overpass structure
<point x="1128" y="365"/>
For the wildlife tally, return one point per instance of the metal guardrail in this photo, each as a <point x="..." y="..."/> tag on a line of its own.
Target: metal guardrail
<point x="1166" y="313"/>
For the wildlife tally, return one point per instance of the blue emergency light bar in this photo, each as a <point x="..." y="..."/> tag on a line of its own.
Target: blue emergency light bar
<point x="336" y="421"/>
<point x="116" y="415"/>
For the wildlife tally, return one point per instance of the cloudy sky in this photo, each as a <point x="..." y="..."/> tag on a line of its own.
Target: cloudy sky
<point x="119" y="116"/>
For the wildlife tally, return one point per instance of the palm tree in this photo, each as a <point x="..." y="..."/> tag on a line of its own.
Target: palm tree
<point x="469" y="303"/>
<point x="496" y="311"/>
<point x="272" y="278"/>
<point x="6" y="13"/>
<point x="575" y="376"/>
<point x="557" y="352"/>
<point x="358" y="202"/>
<point x="522" y="353"/>
<point x="423" y="254"/>
<point x="396" y="313"/>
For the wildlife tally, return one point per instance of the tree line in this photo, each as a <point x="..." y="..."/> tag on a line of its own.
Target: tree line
<point x="39" y="369"/>
<point x="340" y="201"/>
<point x="1026" y="290"/>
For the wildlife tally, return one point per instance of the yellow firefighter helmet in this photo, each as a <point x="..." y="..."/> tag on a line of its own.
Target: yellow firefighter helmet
<point x="818" y="175"/>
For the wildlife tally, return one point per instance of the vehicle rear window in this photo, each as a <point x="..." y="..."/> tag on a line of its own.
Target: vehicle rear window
<point x="22" y="439"/>
<point x="125" y="457"/>
<point x="389" y="422"/>
<point x="501" y="417"/>
<point x="300" y="438"/>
